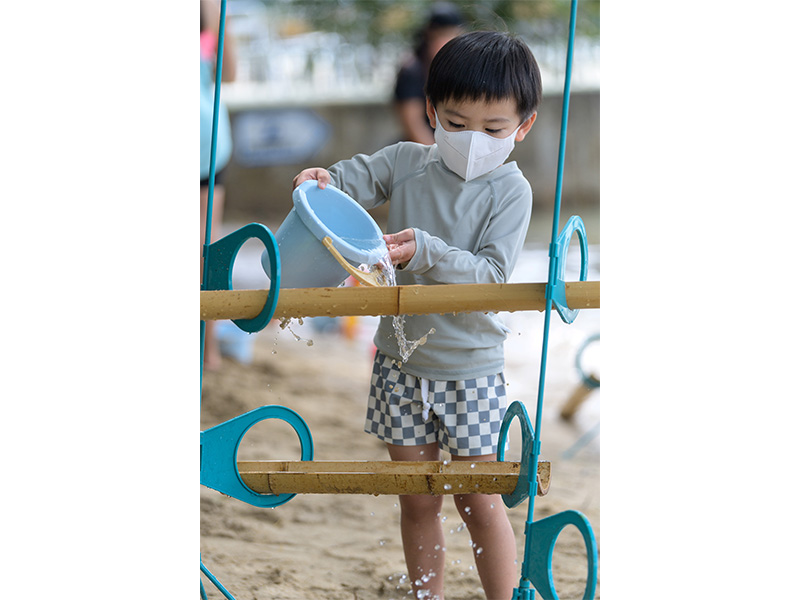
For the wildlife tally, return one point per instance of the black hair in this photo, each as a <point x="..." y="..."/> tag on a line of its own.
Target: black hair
<point x="486" y="66"/>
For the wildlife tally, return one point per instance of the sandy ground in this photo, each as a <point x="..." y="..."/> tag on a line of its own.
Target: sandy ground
<point x="348" y="547"/>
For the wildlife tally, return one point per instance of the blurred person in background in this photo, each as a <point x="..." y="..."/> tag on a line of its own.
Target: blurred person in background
<point x="209" y="36"/>
<point x="444" y="23"/>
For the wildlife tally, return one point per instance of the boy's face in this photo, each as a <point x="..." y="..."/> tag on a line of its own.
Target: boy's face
<point x="497" y="118"/>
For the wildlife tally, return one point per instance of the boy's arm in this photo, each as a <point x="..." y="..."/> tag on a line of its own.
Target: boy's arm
<point x="493" y="262"/>
<point x="366" y="179"/>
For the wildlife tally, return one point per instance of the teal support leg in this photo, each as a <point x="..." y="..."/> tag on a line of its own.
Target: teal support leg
<point x="215" y="581"/>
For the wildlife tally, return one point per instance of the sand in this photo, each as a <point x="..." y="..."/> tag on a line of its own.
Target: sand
<point x="348" y="546"/>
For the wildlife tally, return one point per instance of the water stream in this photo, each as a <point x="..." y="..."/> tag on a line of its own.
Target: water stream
<point x="385" y="275"/>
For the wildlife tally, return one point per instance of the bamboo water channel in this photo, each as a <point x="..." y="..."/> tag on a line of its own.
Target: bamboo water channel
<point x="386" y="478"/>
<point x="396" y="300"/>
<point x="373" y="477"/>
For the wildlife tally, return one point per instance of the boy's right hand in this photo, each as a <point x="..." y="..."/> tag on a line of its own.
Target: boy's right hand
<point x="318" y="173"/>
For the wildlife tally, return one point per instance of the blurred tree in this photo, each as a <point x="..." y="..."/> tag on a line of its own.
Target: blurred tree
<point x="374" y="21"/>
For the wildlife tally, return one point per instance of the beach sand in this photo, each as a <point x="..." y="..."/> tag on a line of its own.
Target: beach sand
<point x="348" y="547"/>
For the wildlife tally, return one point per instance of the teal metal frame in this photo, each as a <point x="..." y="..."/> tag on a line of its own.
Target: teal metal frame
<point x="540" y="536"/>
<point x="219" y="445"/>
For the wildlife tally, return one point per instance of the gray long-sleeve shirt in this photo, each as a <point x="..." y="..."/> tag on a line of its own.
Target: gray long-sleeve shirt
<point x="466" y="232"/>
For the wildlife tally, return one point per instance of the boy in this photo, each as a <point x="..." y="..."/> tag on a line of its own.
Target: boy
<point x="461" y="217"/>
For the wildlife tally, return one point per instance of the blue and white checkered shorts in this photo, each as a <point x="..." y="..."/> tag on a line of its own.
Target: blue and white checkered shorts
<point x="463" y="416"/>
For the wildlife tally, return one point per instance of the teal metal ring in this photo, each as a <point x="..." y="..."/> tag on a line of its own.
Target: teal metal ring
<point x="590" y="381"/>
<point x="528" y="472"/>
<point x="222" y="254"/>
<point x="219" y="447"/>
<point x="574" y="225"/>
<point x="542" y="538"/>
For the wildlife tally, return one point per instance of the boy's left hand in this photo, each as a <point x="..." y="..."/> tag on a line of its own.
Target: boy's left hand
<point x="402" y="246"/>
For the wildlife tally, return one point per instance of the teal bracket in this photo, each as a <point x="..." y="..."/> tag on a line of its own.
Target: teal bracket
<point x="222" y="254"/>
<point x="219" y="447"/>
<point x="540" y="540"/>
<point x="574" y="225"/>
<point x="526" y="482"/>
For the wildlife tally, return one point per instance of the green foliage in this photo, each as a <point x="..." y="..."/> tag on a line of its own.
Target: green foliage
<point x="374" y="21"/>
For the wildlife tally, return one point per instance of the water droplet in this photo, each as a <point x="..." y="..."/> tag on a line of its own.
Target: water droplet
<point x="447" y="486"/>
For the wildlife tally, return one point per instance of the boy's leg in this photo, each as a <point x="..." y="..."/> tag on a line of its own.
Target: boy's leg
<point x="421" y="528"/>
<point x="494" y="546"/>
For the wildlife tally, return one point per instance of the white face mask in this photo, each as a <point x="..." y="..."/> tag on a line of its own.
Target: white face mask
<point x="471" y="154"/>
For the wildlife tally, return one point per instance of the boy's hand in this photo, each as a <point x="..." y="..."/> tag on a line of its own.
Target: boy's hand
<point x="318" y="173"/>
<point x="402" y="246"/>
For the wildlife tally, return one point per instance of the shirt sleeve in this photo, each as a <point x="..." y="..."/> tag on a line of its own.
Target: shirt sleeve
<point x="366" y="178"/>
<point x="497" y="252"/>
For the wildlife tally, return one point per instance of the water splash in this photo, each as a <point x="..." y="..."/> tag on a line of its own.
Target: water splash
<point x="285" y="321"/>
<point x="386" y="276"/>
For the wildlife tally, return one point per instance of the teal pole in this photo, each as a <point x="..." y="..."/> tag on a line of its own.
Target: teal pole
<point x="207" y="241"/>
<point x="211" y="172"/>
<point x="524" y="592"/>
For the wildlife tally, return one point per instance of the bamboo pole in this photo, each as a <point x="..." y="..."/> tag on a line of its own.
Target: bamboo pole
<point x="396" y="300"/>
<point x="574" y="402"/>
<point x="377" y="477"/>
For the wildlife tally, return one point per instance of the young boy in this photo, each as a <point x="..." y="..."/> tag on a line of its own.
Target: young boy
<point x="462" y="216"/>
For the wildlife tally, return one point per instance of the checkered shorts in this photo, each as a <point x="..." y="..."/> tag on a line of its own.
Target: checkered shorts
<point x="463" y="416"/>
